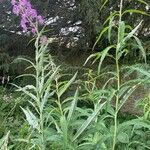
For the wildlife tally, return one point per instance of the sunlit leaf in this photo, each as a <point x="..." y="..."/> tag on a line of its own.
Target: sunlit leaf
<point x="31" y="118"/>
<point x="4" y="142"/>
<point x="131" y="34"/>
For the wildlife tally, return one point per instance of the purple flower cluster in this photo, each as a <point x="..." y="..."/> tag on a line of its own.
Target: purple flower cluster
<point x="29" y="16"/>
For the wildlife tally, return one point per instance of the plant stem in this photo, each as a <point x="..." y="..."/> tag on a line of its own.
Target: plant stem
<point x="39" y="98"/>
<point x="117" y="101"/>
<point x="42" y="131"/>
<point x="118" y="80"/>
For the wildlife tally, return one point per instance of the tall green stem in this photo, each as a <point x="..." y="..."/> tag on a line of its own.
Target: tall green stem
<point x="118" y="80"/>
<point x="39" y="98"/>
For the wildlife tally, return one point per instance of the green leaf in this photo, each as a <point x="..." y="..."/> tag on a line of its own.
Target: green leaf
<point x="100" y="55"/>
<point x="66" y="86"/>
<point x="123" y="137"/>
<point x="64" y="127"/>
<point x="141" y="145"/>
<point x="135" y="11"/>
<point x="140" y="47"/>
<point x="45" y="98"/>
<point x="111" y="15"/>
<point x="92" y="56"/>
<point x="143" y="2"/>
<point x="34" y="106"/>
<point x="26" y="92"/>
<point x="121" y="31"/>
<point x="134" y="122"/>
<point x="110" y="28"/>
<point x="31" y="118"/>
<point x="87" y="122"/>
<point x="100" y="35"/>
<point x="127" y="95"/>
<point x="73" y="106"/>
<point x="33" y="39"/>
<point x="131" y="34"/>
<point x="104" y="53"/>
<point x="4" y="142"/>
<point x="105" y="2"/>
<point x="48" y="82"/>
<point x="121" y="52"/>
<point x="26" y="75"/>
<point x="27" y="60"/>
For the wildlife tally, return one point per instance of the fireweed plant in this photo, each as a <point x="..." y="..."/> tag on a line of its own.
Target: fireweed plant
<point x="56" y="121"/>
<point x="118" y="95"/>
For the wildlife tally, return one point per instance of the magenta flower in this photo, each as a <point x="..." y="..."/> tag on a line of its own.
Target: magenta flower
<point x="29" y="16"/>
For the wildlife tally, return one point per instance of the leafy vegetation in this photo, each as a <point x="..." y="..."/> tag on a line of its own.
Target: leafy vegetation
<point x="61" y="111"/>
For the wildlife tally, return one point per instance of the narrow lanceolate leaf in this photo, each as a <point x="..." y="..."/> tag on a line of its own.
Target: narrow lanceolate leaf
<point x="132" y="32"/>
<point x="47" y="84"/>
<point x="34" y="106"/>
<point x="110" y="28"/>
<point x="105" y="2"/>
<point x="27" y="60"/>
<point x="73" y="106"/>
<point x="104" y="54"/>
<point x="100" y="55"/>
<point x="26" y="75"/>
<point x="24" y="90"/>
<point x="63" y="88"/>
<point x="87" y="122"/>
<point x="90" y="57"/>
<point x="126" y="96"/>
<point x="99" y="37"/>
<point x="121" y="31"/>
<point x="31" y="118"/>
<point x="143" y="2"/>
<point x="64" y="127"/>
<point x="139" y="44"/>
<point x="111" y="15"/>
<point x="46" y="96"/>
<point x="135" y="11"/>
<point x="4" y="142"/>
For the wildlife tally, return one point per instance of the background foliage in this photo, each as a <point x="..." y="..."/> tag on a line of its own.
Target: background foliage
<point x="58" y="109"/>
